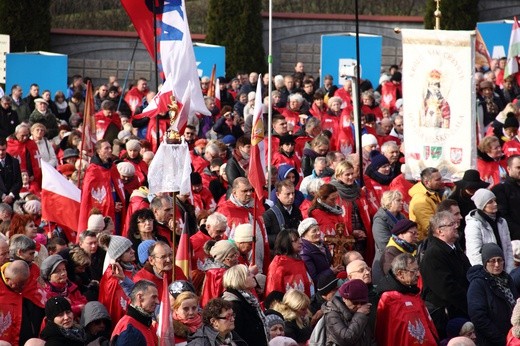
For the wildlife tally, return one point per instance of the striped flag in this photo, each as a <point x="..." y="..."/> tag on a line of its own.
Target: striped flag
<point x="183" y="254"/>
<point x="482" y="57"/>
<point x="256" y="173"/>
<point x="59" y="195"/>
<point x="165" y="328"/>
<point x="514" y="51"/>
<point x="88" y="137"/>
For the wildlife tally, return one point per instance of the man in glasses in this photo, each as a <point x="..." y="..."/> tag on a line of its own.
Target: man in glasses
<point x="398" y="289"/>
<point x="238" y="209"/>
<point x="443" y="269"/>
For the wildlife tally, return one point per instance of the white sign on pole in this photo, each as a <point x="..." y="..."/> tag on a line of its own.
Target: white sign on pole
<point x="4" y="49"/>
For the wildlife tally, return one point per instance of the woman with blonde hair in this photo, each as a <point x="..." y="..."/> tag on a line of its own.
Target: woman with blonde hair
<point x="295" y="311"/>
<point x="250" y="322"/>
<point x="384" y="220"/>
<point x="186" y="316"/>
<point x="45" y="147"/>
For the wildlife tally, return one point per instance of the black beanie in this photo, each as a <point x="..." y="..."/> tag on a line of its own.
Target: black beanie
<point x="56" y="306"/>
<point x="489" y="251"/>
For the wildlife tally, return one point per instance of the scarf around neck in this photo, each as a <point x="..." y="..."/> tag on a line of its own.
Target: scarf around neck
<point x="336" y="210"/>
<point x="347" y="192"/>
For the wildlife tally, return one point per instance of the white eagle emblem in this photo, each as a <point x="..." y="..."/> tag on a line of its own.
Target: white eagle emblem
<point x="123" y="302"/>
<point x="5" y="322"/>
<point x="417" y="331"/>
<point x="99" y="194"/>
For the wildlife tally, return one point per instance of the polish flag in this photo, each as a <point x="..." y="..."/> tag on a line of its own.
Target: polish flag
<point x="165" y="328"/>
<point x="61" y="199"/>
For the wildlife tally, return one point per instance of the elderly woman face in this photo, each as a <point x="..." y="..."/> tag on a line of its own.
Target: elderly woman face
<point x="397" y="205"/>
<point x="38" y="133"/>
<point x="31" y="230"/>
<point x="335" y="106"/>
<point x="313" y="234"/>
<point x="224" y="322"/>
<point x="495" y="265"/>
<point x="276" y="330"/>
<point x="59" y="275"/>
<point x="494" y="150"/>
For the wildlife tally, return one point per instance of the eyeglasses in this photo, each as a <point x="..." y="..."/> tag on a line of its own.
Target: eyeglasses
<point x="228" y="317"/>
<point x="165" y="257"/>
<point x="496" y="261"/>
<point x="362" y="270"/>
<point x="450" y="225"/>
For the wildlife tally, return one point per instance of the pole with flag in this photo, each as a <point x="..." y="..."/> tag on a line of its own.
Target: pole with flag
<point x="165" y="328"/>
<point x="256" y="173"/>
<point x="183" y="254"/>
<point x="514" y="50"/>
<point x="88" y="133"/>
<point x="59" y="194"/>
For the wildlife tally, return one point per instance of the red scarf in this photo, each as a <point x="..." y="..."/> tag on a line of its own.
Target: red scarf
<point x="192" y="323"/>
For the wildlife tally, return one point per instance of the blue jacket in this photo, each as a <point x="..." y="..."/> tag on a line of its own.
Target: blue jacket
<point x="488" y="307"/>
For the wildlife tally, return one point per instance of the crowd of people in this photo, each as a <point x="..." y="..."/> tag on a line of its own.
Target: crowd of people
<point x="341" y="250"/>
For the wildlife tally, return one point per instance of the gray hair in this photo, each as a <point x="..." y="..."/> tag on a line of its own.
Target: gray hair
<point x="388" y="146"/>
<point x="401" y="262"/>
<point x="320" y="159"/>
<point x="6" y="98"/>
<point x="21" y="126"/>
<point x="440" y="218"/>
<point x="140" y="286"/>
<point x="6" y="208"/>
<point x="216" y="219"/>
<point x="20" y="242"/>
<point x="296" y="97"/>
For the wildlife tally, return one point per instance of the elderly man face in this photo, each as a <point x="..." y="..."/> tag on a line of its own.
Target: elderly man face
<point x="41" y="107"/>
<point x="392" y="153"/>
<point x="23" y="134"/>
<point x="386" y="126"/>
<point x="216" y="231"/>
<point x="161" y="259"/>
<point x="243" y="192"/>
<point x="359" y="270"/>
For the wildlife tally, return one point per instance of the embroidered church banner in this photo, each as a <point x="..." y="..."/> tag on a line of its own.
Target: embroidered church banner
<point x="439" y="101"/>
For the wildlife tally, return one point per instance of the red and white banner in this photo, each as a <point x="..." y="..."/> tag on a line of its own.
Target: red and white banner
<point x="439" y="101"/>
<point x="165" y="328"/>
<point x="514" y="50"/>
<point x="60" y="198"/>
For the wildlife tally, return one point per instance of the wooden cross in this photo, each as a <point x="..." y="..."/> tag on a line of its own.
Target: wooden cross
<point x="340" y="242"/>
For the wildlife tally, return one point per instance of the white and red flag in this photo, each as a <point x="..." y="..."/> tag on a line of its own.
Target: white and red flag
<point x="514" y="51"/>
<point x="256" y="173"/>
<point x="165" y="328"/>
<point x="176" y="48"/>
<point x="60" y="199"/>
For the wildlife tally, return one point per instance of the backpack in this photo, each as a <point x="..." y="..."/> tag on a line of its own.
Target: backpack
<point x="319" y="334"/>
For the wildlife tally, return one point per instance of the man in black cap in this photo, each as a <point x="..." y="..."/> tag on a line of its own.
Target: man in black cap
<point x="327" y="288"/>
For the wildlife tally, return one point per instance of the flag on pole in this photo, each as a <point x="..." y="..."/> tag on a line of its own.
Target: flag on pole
<point x="514" y="51"/>
<point x="88" y="136"/>
<point x="183" y="254"/>
<point x="482" y="57"/>
<point x="218" y="103"/>
<point x="59" y="195"/>
<point x="211" y="88"/>
<point x="256" y="173"/>
<point x="165" y="328"/>
<point x="175" y="45"/>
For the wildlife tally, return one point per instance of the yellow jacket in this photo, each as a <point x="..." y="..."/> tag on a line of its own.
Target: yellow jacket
<point x="422" y="207"/>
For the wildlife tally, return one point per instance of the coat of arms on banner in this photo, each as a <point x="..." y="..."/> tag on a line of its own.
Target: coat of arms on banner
<point x="456" y="155"/>
<point x="426" y="153"/>
<point x="436" y="152"/>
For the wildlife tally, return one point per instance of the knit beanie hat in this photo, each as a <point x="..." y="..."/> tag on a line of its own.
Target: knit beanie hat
<point x="287" y="139"/>
<point x="490" y="250"/>
<point x="229" y="140"/>
<point x="133" y="144"/>
<point x="56" y="306"/>
<point x="118" y="246"/>
<point x="179" y="286"/>
<point x="33" y="207"/>
<point x="142" y="250"/>
<point x="511" y="121"/>
<point x="306" y="224"/>
<point x="368" y="139"/>
<point x="49" y="265"/>
<point x="454" y="326"/>
<point x="243" y="233"/>
<point x="377" y="160"/>
<point x="354" y="290"/>
<point x="402" y="226"/>
<point x="96" y="223"/>
<point x="482" y="197"/>
<point x="126" y="169"/>
<point x="282" y="341"/>
<point x="272" y="318"/>
<point x="222" y="249"/>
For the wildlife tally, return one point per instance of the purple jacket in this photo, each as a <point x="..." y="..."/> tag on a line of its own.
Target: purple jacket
<point x="317" y="263"/>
